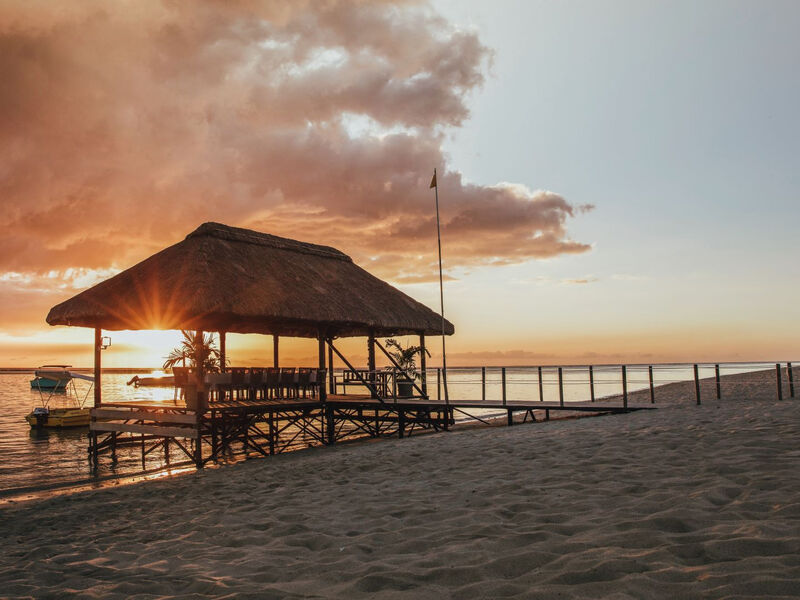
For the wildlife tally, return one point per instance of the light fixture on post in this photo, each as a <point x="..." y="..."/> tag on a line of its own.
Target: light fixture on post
<point x="105" y="342"/>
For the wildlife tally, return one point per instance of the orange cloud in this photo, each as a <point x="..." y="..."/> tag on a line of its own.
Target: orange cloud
<point x="124" y="127"/>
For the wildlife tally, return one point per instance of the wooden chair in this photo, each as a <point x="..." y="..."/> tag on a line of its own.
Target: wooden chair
<point x="303" y="381"/>
<point x="181" y="375"/>
<point x="239" y="384"/>
<point x="288" y="382"/>
<point x="257" y="383"/>
<point x="272" y="382"/>
<point x="318" y="380"/>
<point x="219" y="384"/>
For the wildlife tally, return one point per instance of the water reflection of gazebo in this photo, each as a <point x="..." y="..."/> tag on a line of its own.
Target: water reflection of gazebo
<point x="226" y="279"/>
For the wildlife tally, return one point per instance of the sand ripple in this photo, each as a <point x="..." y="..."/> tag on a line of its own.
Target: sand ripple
<point x="689" y="502"/>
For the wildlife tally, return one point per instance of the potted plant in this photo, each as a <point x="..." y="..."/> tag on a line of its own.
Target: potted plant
<point x="204" y="353"/>
<point x="406" y="359"/>
<point x="196" y="352"/>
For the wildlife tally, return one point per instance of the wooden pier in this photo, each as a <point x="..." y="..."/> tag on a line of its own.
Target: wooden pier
<point x="267" y="427"/>
<point x="230" y="280"/>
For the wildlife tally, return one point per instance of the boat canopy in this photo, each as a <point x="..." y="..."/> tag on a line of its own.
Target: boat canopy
<point x="75" y="375"/>
<point x="53" y="374"/>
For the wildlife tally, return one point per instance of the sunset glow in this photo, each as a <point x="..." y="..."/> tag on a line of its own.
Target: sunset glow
<point x="587" y="215"/>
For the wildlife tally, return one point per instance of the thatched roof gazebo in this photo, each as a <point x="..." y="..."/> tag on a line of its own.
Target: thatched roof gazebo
<point x="228" y="279"/>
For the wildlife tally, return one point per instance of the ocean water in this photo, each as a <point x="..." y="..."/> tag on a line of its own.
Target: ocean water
<point x="34" y="459"/>
<point x="48" y="459"/>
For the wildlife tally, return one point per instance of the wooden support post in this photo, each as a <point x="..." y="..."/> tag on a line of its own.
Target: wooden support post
<point x="275" y="360"/>
<point x="716" y="377"/>
<point x="272" y="433"/>
<point x="223" y="355"/>
<point x="330" y="425"/>
<point x="213" y="426"/>
<point x="541" y="386"/>
<point x="423" y="365"/>
<point x="93" y="454"/>
<point x="201" y="400"/>
<point x="652" y="388"/>
<point x="322" y="395"/>
<point x="371" y="364"/>
<point x="697" y="384"/>
<point x="591" y="382"/>
<point x="503" y="381"/>
<point x="560" y="386"/>
<point x="246" y="434"/>
<point x="198" y="452"/>
<point x="438" y="383"/>
<point x="331" y="376"/>
<point x="778" y="380"/>
<point x="98" y="343"/>
<point x="790" y="376"/>
<point x="166" y="450"/>
<point x="483" y="384"/>
<point x="401" y="423"/>
<point x="624" y="386"/>
<point x="510" y="417"/>
<point x="98" y="396"/>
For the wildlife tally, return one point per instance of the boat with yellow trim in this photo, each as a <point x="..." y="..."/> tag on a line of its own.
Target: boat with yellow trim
<point x="43" y="416"/>
<point x="54" y="379"/>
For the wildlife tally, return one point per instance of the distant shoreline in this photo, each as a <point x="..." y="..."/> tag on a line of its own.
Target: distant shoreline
<point x="111" y="370"/>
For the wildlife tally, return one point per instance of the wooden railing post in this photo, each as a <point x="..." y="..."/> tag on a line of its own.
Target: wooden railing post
<point x="719" y="385"/>
<point x="790" y="376"/>
<point x="778" y="380"/>
<point x="483" y="384"/>
<point x="439" y="383"/>
<point x="503" y="378"/>
<point x="591" y="382"/>
<point x="697" y="384"/>
<point x="541" y="386"/>
<point x="624" y="387"/>
<point x="652" y="388"/>
<point x="560" y="387"/>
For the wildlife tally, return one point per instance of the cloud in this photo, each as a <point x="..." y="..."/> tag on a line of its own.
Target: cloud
<point x="544" y="280"/>
<point x="122" y="128"/>
<point x="629" y="277"/>
<point x="493" y="355"/>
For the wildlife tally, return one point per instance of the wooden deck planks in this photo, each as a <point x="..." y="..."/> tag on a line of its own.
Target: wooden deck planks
<point x="188" y="432"/>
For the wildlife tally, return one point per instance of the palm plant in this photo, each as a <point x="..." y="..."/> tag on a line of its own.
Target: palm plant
<point x="196" y="352"/>
<point x="406" y="358"/>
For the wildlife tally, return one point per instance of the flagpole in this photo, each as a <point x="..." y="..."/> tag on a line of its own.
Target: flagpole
<point x="441" y="300"/>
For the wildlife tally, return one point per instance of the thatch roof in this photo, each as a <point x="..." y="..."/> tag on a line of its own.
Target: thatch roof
<point x="224" y="278"/>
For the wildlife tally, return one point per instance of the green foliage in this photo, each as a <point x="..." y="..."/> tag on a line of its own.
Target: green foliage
<point x="189" y="351"/>
<point x="406" y="358"/>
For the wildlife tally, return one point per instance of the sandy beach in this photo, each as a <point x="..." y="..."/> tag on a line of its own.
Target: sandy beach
<point x="679" y="502"/>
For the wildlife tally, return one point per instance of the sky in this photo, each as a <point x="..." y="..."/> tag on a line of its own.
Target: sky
<point x="618" y="179"/>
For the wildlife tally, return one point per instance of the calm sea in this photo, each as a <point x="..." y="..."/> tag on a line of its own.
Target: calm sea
<point x="49" y="459"/>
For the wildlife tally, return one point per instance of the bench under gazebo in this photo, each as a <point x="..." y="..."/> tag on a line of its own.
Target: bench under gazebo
<point x="231" y="280"/>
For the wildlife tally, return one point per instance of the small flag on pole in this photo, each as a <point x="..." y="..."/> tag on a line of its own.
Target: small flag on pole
<point x="433" y="181"/>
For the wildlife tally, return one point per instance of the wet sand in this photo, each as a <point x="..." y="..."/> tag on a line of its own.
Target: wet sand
<point x="685" y="501"/>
